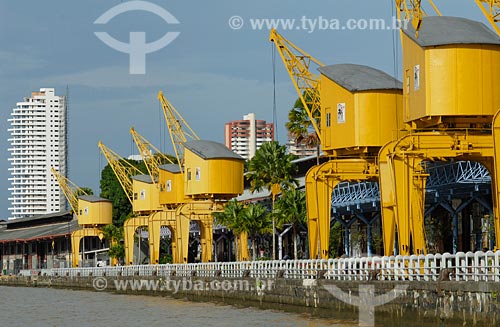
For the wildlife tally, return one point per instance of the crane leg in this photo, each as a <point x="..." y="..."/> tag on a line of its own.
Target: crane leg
<point x="129" y="229"/>
<point x="243" y="253"/>
<point x="387" y="199"/>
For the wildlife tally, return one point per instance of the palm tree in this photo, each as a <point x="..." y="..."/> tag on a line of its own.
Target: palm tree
<point x="300" y="127"/>
<point x="231" y="217"/>
<point x="290" y="208"/>
<point x="271" y="168"/>
<point x="255" y="220"/>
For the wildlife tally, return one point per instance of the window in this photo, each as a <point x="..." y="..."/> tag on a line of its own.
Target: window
<point x="198" y="173"/>
<point x="135" y="196"/>
<point x="189" y="174"/>
<point x="328" y="118"/>
<point x="169" y="185"/>
<point x="143" y="194"/>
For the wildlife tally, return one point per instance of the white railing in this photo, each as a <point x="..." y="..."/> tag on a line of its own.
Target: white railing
<point x="470" y="266"/>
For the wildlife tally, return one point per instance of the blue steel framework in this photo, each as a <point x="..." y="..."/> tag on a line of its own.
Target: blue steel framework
<point x="466" y="180"/>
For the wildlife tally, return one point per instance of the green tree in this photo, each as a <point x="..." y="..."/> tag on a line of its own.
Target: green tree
<point x="84" y="190"/>
<point x="112" y="190"/>
<point x="290" y="208"/>
<point x="300" y="127"/>
<point x="231" y="218"/>
<point x="255" y="220"/>
<point x="115" y="236"/>
<point x="270" y="166"/>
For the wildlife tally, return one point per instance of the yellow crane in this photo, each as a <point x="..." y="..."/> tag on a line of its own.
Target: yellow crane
<point x="92" y="212"/>
<point x="179" y="130"/>
<point x="491" y="10"/>
<point x="412" y="11"/>
<point x="199" y="191"/>
<point x="152" y="157"/>
<point x="299" y="64"/>
<point x="70" y="190"/>
<point x="122" y="169"/>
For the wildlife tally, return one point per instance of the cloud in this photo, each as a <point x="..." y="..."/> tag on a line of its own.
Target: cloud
<point x="14" y="62"/>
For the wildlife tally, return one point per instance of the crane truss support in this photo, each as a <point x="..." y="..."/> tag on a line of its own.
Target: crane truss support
<point x="178" y="221"/>
<point x="320" y="182"/>
<point x="403" y="180"/>
<point x="76" y="238"/>
<point x="129" y="229"/>
<point x="491" y="10"/>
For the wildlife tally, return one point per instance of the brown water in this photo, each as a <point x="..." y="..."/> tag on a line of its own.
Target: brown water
<point x="46" y="307"/>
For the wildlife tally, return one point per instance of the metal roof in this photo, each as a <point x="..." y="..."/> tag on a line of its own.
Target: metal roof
<point x="93" y="198"/>
<point x="211" y="150"/>
<point x="35" y="219"/>
<point x="171" y="168"/>
<point x="39" y="232"/>
<point x="438" y="30"/>
<point x="143" y="178"/>
<point x="360" y="78"/>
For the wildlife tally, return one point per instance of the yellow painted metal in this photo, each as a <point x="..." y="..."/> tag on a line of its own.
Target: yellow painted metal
<point x="202" y="213"/>
<point x="69" y="189"/>
<point x="178" y="128"/>
<point x="372" y="118"/>
<point x="298" y="65"/>
<point x="122" y="169"/>
<point x="450" y="85"/>
<point x="495" y="181"/>
<point x="402" y="179"/>
<point x="242" y="245"/>
<point x="151" y="156"/>
<point x="491" y="10"/>
<point x="95" y="212"/>
<point x="129" y="230"/>
<point x="146" y="196"/>
<point x="76" y="238"/>
<point x="410" y="10"/>
<point x="320" y="182"/>
<point x="171" y="188"/>
<point x="207" y="178"/>
<point x="177" y="226"/>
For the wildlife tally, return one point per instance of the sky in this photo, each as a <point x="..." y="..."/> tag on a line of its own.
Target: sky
<point x="216" y="69"/>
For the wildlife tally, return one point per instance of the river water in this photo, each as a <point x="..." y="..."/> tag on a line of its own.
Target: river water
<point x="46" y="307"/>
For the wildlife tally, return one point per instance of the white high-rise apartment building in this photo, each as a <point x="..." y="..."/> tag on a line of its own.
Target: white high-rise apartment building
<point x="38" y="141"/>
<point x="246" y="136"/>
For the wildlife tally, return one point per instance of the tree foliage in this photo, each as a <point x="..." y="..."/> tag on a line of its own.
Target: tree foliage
<point x="299" y="125"/>
<point x="271" y="165"/>
<point x="115" y="235"/>
<point x="112" y="190"/>
<point x="290" y="208"/>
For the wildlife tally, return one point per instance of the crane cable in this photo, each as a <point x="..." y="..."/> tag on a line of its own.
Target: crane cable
<point x="275" y="116"/>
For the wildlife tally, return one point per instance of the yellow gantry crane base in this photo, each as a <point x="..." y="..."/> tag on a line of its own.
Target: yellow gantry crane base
<point x="320" y="182"/>
<point x="402" y="180"/>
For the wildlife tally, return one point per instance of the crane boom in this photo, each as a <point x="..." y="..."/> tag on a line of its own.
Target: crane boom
<point x="152" y="157"/>
<point x="491" y="10"/>
<point x="178" y="128"/>
<point x="298" y="64"/>
<point x="123" y="169"/>
<point x="411" y="10"/>
<point x="69" y="189"/>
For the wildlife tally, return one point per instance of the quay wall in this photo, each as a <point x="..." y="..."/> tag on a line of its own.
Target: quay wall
<point x="419" y="302"/>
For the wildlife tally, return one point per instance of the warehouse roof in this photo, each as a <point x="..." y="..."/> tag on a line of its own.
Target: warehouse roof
<point x="211" y="150"/>
<point x="438" y="30"/>
<point x="39" y="232"/>
<point x="360" y="78"/>
<point x="170" y="167"/>
<point x="93" y="198"/>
